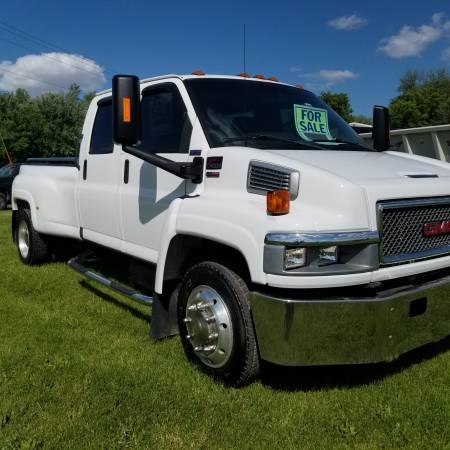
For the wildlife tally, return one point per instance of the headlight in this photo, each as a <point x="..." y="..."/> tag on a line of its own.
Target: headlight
<point x="328" y="255"/>
<point x="294" y="258"/>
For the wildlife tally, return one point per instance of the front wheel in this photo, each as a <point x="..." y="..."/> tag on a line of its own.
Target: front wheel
<point x="215" y="323"/>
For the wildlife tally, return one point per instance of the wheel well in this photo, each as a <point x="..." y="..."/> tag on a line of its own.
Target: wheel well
<point x="185" y="251"/>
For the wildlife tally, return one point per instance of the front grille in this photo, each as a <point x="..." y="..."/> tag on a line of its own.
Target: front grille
<point x="402" y="229"/>
<point x="265" y="178"/>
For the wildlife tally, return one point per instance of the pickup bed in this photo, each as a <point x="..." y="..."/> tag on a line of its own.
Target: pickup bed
<point x="257" y="222"/>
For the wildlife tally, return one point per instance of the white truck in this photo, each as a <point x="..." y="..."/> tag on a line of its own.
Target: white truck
<point x="253" y="218"/>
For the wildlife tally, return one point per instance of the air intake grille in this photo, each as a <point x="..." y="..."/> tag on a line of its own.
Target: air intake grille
<point x="263" y="178"/>
<point x="402" y="230"/>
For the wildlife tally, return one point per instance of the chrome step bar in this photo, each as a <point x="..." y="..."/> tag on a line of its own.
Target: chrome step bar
<point x="76" y="264"/>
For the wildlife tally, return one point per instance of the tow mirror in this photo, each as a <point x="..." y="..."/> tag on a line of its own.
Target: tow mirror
<point x="125" y="102"/>
<point x="381" y="129"/>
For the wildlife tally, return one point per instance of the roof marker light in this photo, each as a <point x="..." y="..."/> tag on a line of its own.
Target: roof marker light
<point x="273" y="79"/>
<point x="260" y="77"/>
<point x="244" y="75"/>
<point x="198" y="72"/>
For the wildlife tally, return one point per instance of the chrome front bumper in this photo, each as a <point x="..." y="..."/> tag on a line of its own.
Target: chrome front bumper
<point x="351" y="330"/>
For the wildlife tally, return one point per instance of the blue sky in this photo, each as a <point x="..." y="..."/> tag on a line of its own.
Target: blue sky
<point x="358" y="47"/>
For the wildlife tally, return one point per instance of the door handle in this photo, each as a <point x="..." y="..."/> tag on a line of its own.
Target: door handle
<point x="126" y="171"/>
<point x="85" y="169"/>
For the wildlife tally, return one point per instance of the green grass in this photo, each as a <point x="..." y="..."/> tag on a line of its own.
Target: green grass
<point x="77" y="370"/>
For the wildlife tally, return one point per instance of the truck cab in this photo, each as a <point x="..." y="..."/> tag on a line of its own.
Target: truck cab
<point x="261" y="222"/>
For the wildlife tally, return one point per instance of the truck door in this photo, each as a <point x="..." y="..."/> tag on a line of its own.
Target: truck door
<point x="147" y="191"/>
<point x="98" y="187"/>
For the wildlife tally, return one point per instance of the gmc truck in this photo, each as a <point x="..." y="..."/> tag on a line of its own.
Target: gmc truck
<point x="254" y="220"/>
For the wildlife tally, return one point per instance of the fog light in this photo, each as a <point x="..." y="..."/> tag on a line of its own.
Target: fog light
<point x="294" y="258"/>
<point x="328" y="255"/>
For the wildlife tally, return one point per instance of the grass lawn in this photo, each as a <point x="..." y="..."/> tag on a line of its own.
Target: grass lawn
<point x="77" y="370"/>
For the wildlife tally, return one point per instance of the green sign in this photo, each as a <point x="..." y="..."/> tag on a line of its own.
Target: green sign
<point x="311" y="122"/>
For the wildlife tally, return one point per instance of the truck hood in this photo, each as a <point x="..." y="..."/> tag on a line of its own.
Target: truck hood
<point x="364" y="168"/>
<point x="331" y="180"/>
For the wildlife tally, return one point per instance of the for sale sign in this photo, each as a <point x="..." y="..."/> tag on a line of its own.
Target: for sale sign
<point x="311" y="123"/>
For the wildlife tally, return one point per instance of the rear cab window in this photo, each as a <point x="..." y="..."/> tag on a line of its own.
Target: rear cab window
<point x="102" y="131"/>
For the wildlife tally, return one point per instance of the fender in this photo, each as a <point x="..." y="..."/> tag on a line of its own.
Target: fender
<point x="25" y="196"/>
<point x="181" y="222"/>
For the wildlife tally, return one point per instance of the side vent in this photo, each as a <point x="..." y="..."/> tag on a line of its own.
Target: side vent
<point x="264" y="177"/>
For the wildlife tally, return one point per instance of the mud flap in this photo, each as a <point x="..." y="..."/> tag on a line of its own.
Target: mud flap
<point x="164" y="322"/>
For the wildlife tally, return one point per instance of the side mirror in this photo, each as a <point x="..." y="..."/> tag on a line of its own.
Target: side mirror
<point x="125" y="106"/>
<point x="381" y="128"/>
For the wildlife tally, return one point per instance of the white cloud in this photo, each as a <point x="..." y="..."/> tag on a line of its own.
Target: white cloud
<point x="337" y="76"/>
<point x="326" y="78"/>
<point x="411" y="41"/>
<point x="50" y="72"/>
<point x="348" y="23"/>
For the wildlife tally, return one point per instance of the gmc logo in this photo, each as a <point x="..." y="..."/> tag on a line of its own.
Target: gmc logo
<point x="436" y="228"/>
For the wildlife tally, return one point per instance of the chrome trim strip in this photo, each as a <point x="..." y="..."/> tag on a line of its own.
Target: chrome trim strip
<point x="408" y="203"/>
<point x="322" y="239"/>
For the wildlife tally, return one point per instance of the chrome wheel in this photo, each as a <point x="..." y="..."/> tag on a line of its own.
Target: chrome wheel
<point x="209" y="326"/>
<point x="23" y="239"/>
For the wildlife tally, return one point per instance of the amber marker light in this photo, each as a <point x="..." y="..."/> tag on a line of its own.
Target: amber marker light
<point x="199" y="73"/>
<point x="259" y="77"/>
<point x="126" y="114"/>
<point x="278" y="202"/>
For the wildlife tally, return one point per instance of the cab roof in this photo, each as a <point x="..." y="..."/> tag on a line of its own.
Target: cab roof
<point x="191" y="76"/>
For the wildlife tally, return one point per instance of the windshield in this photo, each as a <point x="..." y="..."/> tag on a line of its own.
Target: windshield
<point x="270" y="115"/>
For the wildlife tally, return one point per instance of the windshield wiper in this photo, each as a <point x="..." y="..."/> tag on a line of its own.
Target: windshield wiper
<point x="268" y="137"/>
<point x="343" y="142"/>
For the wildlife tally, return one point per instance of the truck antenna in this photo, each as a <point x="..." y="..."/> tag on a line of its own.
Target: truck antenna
<point x="244" y="49"/>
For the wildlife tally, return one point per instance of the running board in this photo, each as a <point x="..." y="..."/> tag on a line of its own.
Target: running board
<point x="76" y="264"/>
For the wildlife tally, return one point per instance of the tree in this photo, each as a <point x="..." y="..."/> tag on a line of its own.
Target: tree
<point x="424" y="100"/>
<point x="408" y="81"/>
<point x="47" y="125"/>
<point x="340" y="102"/>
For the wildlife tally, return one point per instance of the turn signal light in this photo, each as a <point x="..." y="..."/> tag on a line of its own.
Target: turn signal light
<point x="278" y="202"/>
<point x="126" y="108"/>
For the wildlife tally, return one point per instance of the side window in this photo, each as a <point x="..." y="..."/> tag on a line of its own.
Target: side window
<point x="101" y="138"/>
<point x="165" y="126"/>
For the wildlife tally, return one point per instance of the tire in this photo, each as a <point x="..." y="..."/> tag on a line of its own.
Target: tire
<point x="215" y="324"/>
<point x="30" y="245"/>
<point x="3" y="201"/>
